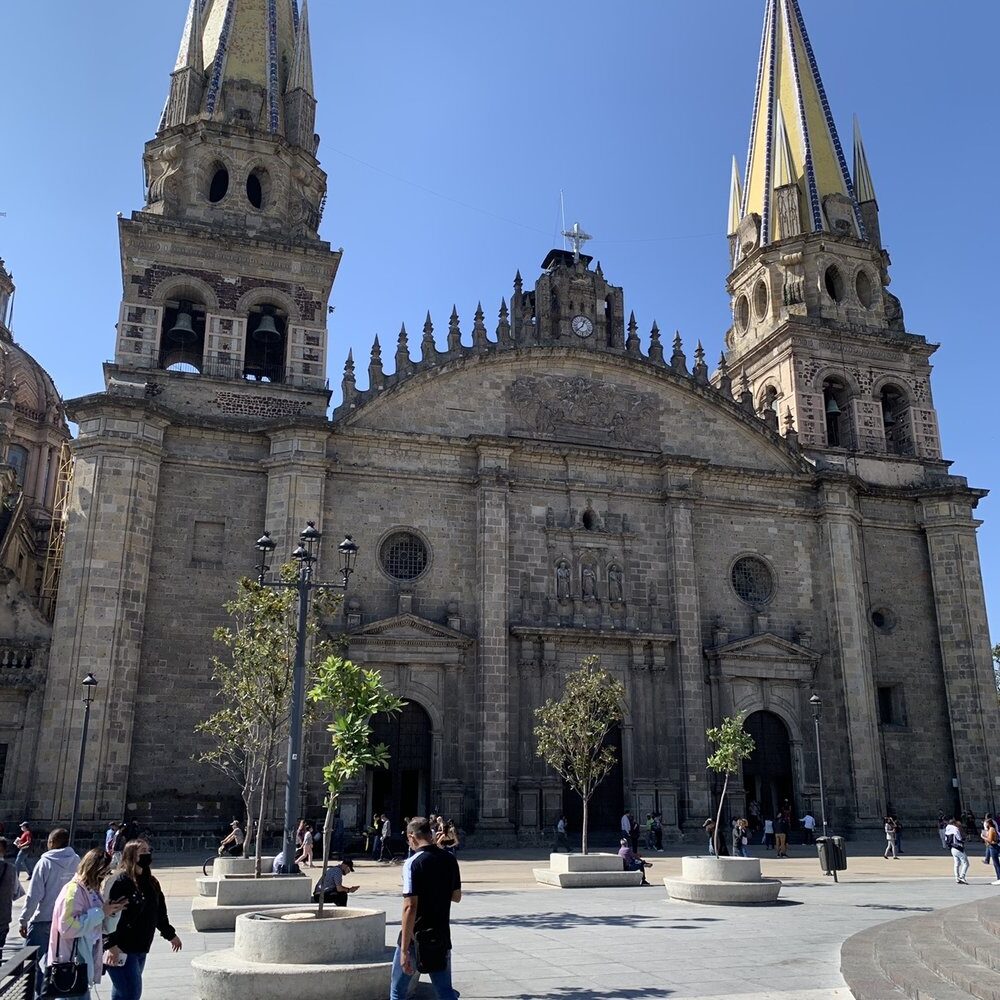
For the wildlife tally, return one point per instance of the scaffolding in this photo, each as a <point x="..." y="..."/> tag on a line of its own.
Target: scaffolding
<point x="57" y="534"/>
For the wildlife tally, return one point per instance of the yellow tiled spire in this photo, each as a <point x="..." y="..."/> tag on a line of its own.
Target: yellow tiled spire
<point x="793" y="138"/>
<point x="735" y="200"/>
<point x="863" y="185"/>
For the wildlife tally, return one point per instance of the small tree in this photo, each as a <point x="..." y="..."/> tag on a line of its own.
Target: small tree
<point x="733" y="745"/>
<point x="352" y="696"/>
<point x="571" y="732"/>
<point x="255" y="688"/>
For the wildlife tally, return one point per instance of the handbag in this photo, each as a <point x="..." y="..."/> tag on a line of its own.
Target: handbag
<point x="430" y="949"/>
<point x="65" y="979"/>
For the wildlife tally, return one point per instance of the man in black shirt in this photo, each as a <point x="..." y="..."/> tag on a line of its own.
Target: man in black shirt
<point x="431" y="883"/>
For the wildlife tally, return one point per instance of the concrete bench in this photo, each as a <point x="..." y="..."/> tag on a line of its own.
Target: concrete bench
<point x="586" y="871"/>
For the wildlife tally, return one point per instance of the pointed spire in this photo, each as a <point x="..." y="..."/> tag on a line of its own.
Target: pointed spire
<point x="700" y="368"/>
<point x="598" y="271"/>
<point x="479" y="338"/>
<point x="191" y="55"/>
<point x="735" y="200"/>
<point x="632" y="341"/>
<point x="746" y="393"/>
<point x="863" y="185"/>
<point x="678" y="360"/>
<point x="791" y="434"/>
<point x="302" y="68"/>
<point x="454" y="331"/>
<point x="187" y="83"/>
<point x="655" y="345"/>
<point x="348" y="385"/>
<point x="375" y="373"/>
<point x="789" y="88"/>
<point x="427" y="349"/>
<point x="402" y="346"/>
<point x="503" y="326"/>
<point x="725" y="382"/>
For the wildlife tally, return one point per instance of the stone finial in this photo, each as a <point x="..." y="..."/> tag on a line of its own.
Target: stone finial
<point x="632" y="341"/>
<point x="655" y="345"/>
<point x="375" y="373"/>
<point x="349" y="385"/>
<point x="725" y="382"/>
<point x="791" y="434"/>
<point x="402" y="351"/>
<point x="503" y="324"/>
<point x="746" y="393"/>
<point x="518" y="283"/>
<point x="598" y="270"/>
<point x="454" y="332"/>
<point x="700" y="368"/>
<point x="678" y="360"/>
<point x="427" y="348"/>
<point x="479" y="338"/>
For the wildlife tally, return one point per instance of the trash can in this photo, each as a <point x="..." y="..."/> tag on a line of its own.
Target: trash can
<point x="832" y="854"/>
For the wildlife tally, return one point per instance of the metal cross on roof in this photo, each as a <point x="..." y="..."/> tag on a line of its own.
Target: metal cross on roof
<point x="577" y="237"/>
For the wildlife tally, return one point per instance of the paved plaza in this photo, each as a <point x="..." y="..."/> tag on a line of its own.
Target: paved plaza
<point x="518" y="941"/>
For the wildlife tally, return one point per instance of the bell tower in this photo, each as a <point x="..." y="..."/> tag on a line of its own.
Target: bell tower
<point x="226" y="281"/>
<point x="820" y="337"/>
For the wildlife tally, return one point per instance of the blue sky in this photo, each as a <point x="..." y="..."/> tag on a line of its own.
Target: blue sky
<point x="450" y="128"/>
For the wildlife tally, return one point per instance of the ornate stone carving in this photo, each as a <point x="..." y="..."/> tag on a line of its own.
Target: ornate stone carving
<point x="588" y="582"/>
<point x="583" y="410"/>
<point x="616" y="585"/>
<point x="562" y="580"/>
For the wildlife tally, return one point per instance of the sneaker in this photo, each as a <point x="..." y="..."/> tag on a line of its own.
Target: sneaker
<point x="963" y="881"/>
<point x="996" y="881"/>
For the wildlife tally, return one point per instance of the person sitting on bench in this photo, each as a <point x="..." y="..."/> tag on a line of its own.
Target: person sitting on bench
<point x="331" y="885"/>
<point x="631" y="861"/>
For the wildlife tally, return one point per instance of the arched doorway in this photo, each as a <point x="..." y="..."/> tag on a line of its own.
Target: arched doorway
<point x="607" y="803"/>
<point x="767" y="774"/>
<point x="404" y="787"/>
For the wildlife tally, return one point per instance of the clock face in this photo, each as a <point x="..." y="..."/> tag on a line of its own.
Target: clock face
<point x="582" y="326"/>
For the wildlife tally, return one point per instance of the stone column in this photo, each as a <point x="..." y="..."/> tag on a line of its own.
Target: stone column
<point x="492" y="548"/>
<point x="101" y="607"/>
<point x="694" y="712"/>
<point x="296" y="480"/>
<point x="851" y="644"/>
<point x="964" y="640"/>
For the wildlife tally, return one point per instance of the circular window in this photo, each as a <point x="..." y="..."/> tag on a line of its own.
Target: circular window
<point x="219" y="187"/>
<point x="834" y="282"/>
<point x="743" y="312"/>
<point x="760" y="299"/>
<point x="865" y="289"/>
<point x="753" y="580"/>
<point x="883" y="619"/>
<point x="403" y="555"/>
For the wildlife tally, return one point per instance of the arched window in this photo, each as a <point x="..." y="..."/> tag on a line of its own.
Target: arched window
<point x="836" y="410"/>
<point x="895" y="420"/>
<point x="17" y="458"/>
<point x="182" y="338"/>
<point x="267" y="326"/>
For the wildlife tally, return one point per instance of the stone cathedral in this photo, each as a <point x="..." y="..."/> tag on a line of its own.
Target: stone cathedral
<point x="728" y="536"/>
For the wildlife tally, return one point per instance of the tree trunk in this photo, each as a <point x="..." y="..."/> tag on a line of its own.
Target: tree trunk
<point x="718" y="815"/>
<point x="327" y="833"/>
<point x="586" y="819"/>
<point x="259" y="839"/>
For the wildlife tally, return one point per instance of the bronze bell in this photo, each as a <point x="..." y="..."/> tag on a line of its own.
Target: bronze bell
<point x="832" y="408"/>
<point x="266" y="329"/>
<point x="183" y="328"/>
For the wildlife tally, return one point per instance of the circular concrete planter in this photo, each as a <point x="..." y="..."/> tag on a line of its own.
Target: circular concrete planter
<point x="240" y="866"/>
<point x="723" y="881"/>
<point x="299" y="937"/>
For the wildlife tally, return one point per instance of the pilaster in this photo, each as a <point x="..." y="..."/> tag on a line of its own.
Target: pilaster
<point x="296" y="488"/>
<point x="492" y="548"/>
<point x="848" y="616"/>
<point x="956" y="578"/>
<point x="100" y="613"/>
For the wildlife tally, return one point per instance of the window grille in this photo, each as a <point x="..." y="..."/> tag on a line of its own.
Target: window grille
<point x="403" y="556"/>
<point x="753" y="580"/>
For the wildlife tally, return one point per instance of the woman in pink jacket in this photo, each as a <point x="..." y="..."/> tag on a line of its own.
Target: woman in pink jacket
<point x="80" y="917"/>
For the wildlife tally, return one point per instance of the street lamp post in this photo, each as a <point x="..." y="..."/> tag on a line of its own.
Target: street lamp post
<point x="304" y="584"/>
<point x="89" y="683"/>
<point x="817" y="705"/>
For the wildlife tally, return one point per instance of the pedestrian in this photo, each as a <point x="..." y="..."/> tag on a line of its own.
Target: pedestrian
<point x="942" y="823"/>
<point x="768" y="839"/>
<point x="658" y="829"/>
<point x="447" y="837"/>
<point x="954" y="839"/>
<point x="375" y="836"/>
<point x="54" y="869"/>
<point x="80" y="916"/>
<point x="709" y="827"/>
<point x="118" y="846"/>
<point x="10" y="889"/>
<point x="741" y="838"/>
<point x="633" y="832"/>
<point x="431" y="883"/>
<point x="898" y="827"/>
<point x="626" y="825"/>
<point x="890" y="838"/>
<point x="129" y="942"/>
<point x="562" y="841"/>
<point x="781" y="835"/>
<point x="650" y="835"/>
<point x="306" y="850"/>
<point x="111" y="836"/>
<point x="809" y="825"/>
<point x="331" y="885"/>
<point x="992" y="841"/>
<point x="23" y="844"/>
<point x="386" y="834"/>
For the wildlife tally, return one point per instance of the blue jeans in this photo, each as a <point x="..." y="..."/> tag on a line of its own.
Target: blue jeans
<point x="38" y="937"/>
<point x="23" y="863"/>
<point x="994" y="855"/>
<point x="377" y="849"/>
<point x="126" y="980"/>
<point x="401" y="981"/>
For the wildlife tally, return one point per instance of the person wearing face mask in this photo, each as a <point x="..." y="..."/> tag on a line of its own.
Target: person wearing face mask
<point x="128" y="944"/>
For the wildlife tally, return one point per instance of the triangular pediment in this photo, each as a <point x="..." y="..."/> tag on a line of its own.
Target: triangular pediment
<point x="410" y="626"/>
<point x="409" y="639"/>
<point x="763" y="646"/>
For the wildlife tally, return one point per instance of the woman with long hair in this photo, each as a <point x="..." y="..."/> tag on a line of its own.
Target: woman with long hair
<point x="128" y="944"/>
<point x="306" y="852"/>
<point x="81" y="916"/>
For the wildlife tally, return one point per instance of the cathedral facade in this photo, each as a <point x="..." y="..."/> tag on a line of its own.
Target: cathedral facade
<point x="729" y="537"/>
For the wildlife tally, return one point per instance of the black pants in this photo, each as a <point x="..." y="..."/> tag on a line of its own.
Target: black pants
<point x="337" y="898"/>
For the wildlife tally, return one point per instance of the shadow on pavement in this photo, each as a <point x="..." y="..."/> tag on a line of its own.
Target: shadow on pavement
<point x="890" y="906"/>
<point x="558" y="921"/>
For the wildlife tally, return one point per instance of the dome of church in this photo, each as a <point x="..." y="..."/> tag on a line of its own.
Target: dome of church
<point x="28" y="385"/>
